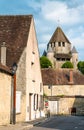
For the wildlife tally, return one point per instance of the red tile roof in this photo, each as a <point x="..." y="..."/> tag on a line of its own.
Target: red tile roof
<point x="14" y="32"/>
<point x="61" y="77"/>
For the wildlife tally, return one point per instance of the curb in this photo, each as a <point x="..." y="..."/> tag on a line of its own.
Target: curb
<point x="25" y="127"/>
<point x="16" y="127"/>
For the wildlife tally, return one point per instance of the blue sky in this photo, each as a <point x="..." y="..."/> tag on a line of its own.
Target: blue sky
<point x="46" y="14"/>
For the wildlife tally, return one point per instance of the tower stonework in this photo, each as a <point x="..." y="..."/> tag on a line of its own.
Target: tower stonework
<point x="74" y="59"/>
<point x="59" y="50"/>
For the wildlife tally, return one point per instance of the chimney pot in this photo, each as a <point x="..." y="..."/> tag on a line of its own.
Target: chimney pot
<point x="71" y="76"/>
<point x="3" y="53"/>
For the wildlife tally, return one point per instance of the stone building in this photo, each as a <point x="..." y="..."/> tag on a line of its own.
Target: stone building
<point x="59" y="50"/>
<point x="19" y="45"/>
<point x="5" y="94"/>
<point x="65" y="91"/>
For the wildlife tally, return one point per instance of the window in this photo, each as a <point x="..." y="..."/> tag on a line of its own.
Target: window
<point x="59" y="43"/>
<point x="58" y="59"/>
<point x="63" y="59"/>
<point x="34" y="101"/>
<point x="33" y="58"/>
<point x="37" y="101"/>
<point x="63" y="43"/>
<point x="18" y="102"/>
<point x="41" y="103"/>
<point x="54" y="44"/>
<point x="68" y="59"/>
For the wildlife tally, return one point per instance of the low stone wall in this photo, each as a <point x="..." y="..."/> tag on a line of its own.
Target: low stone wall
<point x="72" y="105"/>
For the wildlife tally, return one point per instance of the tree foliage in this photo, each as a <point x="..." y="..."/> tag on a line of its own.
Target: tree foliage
<point x="67" y="64"/>
<point x="80" y="66"/>
<point x="45" y="62"/>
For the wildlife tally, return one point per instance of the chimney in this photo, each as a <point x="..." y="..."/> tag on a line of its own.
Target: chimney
<point x="3" y="53"/>
<point x="71" y="76"/>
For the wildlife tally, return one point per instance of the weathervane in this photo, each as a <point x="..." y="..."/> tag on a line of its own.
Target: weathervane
<point x="58" y="21"/>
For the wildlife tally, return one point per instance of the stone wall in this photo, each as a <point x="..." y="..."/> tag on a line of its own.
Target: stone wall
<point x="68" y="103"/>
<point x="70" y="90"/>
<point x="62" y="49"/>
<point x="33" y="73"/>
<point x="29" y="77"/>
<point x="68" y="97"/>
<point x="21" y="86"/>
<point x="5" y="98"/>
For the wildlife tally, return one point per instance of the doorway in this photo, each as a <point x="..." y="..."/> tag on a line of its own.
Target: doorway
<point x="53" y="106"/>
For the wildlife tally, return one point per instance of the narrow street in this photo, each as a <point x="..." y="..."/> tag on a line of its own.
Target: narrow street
<point x="61" y="123"/>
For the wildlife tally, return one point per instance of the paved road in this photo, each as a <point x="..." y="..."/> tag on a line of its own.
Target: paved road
<point x="61" y="123"/>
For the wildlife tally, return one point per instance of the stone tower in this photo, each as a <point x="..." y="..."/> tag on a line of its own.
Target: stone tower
<point x="74" y="58"/>
<point x="59" y="49"/>
<point x="50" y="54"/>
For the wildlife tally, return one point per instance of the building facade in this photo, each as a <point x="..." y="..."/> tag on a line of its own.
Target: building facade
<point x="19" y="45"/>
<point x="65" y="91"/>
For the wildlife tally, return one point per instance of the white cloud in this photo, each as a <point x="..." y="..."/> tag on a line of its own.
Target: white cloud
<point x="71" y="19"/>
<point x="54" y="10"/>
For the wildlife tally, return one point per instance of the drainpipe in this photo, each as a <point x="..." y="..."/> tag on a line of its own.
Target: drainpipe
<point x="14" y="68"/>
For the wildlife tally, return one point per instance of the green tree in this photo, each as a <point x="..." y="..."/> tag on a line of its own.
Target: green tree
<point x="67" y="64"/>
<point x="45" y="62"/>
<point x="80" y="66"/>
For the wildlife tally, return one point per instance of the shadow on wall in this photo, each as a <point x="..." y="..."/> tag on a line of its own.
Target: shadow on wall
<point x="78" y="106"/>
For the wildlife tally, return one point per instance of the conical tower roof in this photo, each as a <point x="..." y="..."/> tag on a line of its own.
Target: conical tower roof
<point x="44" y="53"/>
<point x="59" y="36"/>
<point x="74" y="50"/>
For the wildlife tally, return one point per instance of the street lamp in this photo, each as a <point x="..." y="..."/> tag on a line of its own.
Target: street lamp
<point x="14" y="68"/>
<point x="50" y="87"/>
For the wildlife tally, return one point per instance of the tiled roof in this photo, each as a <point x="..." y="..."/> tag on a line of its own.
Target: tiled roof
<point x="62" y="55"/>
<point x="14" y="32"/>
<point x="61" y="77"/>
<point x="5" y="69"/>
<point x="59" y="36"/>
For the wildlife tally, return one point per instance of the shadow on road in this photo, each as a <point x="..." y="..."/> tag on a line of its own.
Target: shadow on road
<point x="63" y="123"/>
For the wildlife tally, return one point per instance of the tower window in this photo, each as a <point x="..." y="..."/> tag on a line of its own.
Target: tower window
<point x="59" y="43"/>
<point x="63" y="43"/>
<point x="54" y="44"/>
<point x="51" y="45"/>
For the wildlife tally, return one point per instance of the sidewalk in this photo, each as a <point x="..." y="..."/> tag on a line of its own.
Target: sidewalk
<point x="23" y="125"/>
<point x="18" y="126"/>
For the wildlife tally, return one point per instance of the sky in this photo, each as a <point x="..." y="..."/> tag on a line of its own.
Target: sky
<point x="48" y="15"/>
